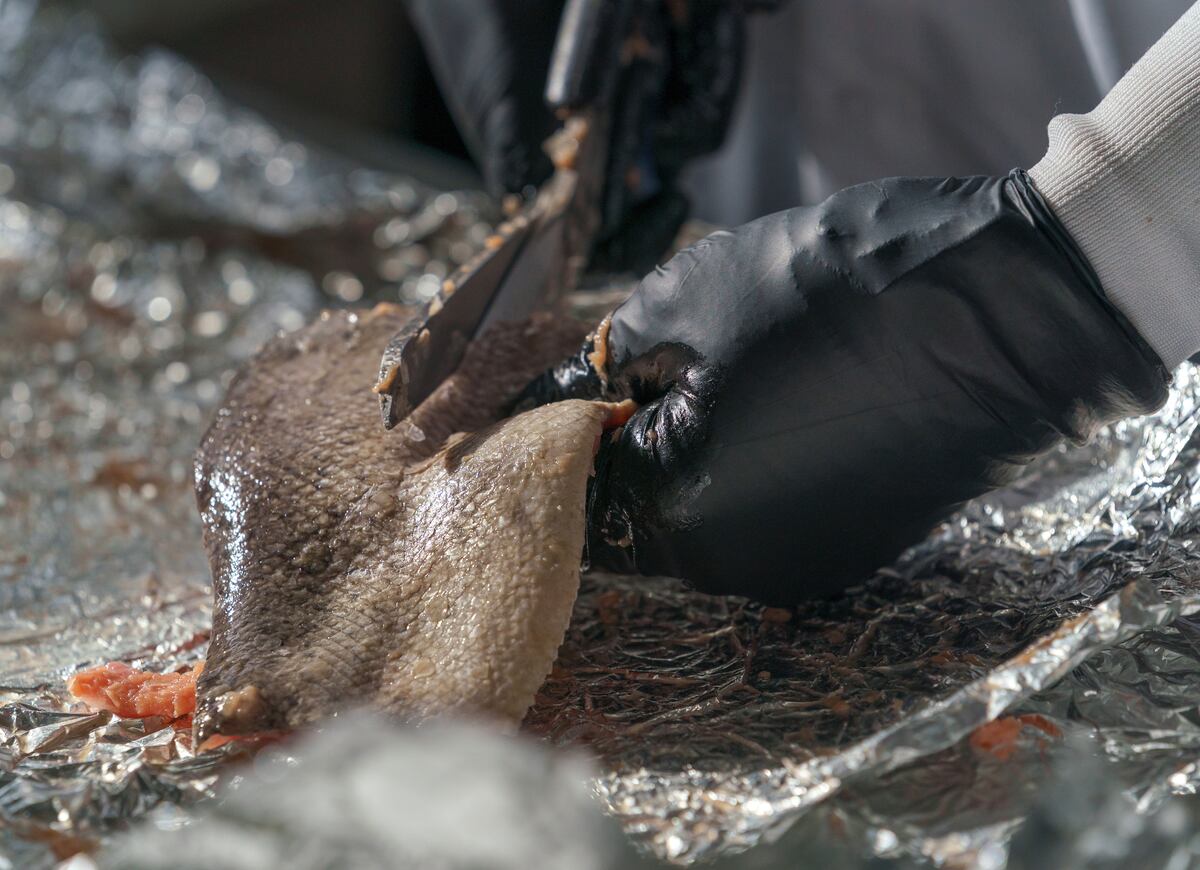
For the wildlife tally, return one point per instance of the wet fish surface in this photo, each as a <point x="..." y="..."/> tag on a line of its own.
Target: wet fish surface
<point x="421" y="571"/>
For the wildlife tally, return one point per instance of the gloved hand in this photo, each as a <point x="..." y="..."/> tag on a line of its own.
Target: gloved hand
<point x="821" y="386"/>
<point x="491" y="59"/>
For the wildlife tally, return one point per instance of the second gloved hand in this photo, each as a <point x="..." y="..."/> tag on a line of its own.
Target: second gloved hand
<point x="822" y="386"/>
<point x="491" y="59"/>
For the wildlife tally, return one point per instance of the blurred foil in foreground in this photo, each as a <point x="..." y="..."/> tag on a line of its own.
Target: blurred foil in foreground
<point x="322" y="802"/>
<point x="152" y="237"/>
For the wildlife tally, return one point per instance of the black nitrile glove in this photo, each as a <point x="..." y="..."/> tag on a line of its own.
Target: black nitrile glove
<point x="491" y="59"/>
<point x="822" y="386"/>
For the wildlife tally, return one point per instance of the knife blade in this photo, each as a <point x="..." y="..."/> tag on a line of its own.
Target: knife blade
<point x="542" y="249"/>
<point x="523" y="266"/>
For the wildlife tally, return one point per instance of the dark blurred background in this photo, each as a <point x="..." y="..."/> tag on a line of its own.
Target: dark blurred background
<point x="348" y="74"/>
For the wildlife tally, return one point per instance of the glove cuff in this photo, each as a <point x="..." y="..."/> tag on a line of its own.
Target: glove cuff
<point x="1125" y="181"/>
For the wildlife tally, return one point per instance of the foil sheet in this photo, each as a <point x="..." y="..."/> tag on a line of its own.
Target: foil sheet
<point x="152" y="235"/>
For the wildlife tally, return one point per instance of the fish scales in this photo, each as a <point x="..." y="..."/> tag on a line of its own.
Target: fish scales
<point x="425" y="570"/>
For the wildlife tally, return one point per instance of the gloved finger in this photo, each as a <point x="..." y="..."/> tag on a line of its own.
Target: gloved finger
<point x="634" y="364"/>
<point x="573" y="378"/>
<point x="647" y="476"/>
<point x="673" y="299"/>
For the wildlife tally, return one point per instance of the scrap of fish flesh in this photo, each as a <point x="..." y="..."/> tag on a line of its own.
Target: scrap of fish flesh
<point x="132" y="693"/>
<point x="419" y="571"/>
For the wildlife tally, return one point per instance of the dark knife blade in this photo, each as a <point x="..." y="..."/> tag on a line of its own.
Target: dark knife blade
<point x="429" y="348"/>
<point x="522" y="268"/>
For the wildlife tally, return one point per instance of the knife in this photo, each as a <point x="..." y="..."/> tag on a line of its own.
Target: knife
<point x="543" y="246"/>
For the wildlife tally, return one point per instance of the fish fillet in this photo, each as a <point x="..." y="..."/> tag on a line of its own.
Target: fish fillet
<point x="425" y="570"/>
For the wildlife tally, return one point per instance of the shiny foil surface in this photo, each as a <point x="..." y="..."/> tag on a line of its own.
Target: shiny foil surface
<point x="152" y="236"/>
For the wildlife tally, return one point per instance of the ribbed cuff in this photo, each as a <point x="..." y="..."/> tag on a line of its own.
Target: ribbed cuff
<point x="1125" y="181"/>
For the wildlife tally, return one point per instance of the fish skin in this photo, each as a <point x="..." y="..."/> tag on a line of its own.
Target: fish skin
<point x="426" y="570"/>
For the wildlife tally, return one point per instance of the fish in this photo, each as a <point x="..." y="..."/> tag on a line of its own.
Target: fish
<point x="425" y="571"/>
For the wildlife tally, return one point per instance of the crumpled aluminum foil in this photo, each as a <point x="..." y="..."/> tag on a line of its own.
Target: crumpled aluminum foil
<point x="152" y="236"/>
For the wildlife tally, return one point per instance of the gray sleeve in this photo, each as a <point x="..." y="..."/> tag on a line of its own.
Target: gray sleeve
<point x="1125" y="180"/>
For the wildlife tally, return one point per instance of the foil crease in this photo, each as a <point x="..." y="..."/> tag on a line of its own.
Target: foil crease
<point x="152" y="236"/>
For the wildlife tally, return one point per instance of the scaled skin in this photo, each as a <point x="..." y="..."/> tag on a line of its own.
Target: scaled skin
<point x="419" y="571"/>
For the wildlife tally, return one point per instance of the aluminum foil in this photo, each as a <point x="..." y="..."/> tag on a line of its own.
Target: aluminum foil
<point x="152" y="236"/>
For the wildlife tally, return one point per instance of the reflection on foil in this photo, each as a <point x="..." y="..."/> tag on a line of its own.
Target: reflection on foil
<point x="152" y="236"/>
